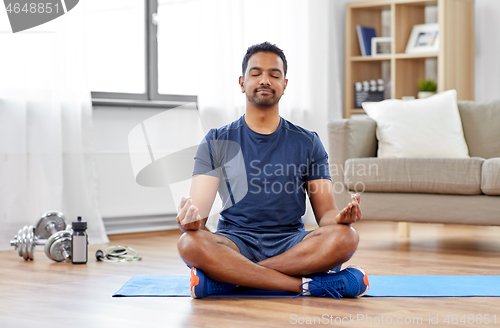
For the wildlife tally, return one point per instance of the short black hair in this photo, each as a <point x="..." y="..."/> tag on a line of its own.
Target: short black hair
<point x="263" y="47"/>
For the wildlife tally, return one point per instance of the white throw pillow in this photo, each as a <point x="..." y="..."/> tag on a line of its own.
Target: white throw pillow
<point x="429" y="127"/>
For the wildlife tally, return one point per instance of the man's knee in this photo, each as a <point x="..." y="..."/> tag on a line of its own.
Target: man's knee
<point x="189" y="244"/>
<point x="344" y="237"/>
<point x="350" y="239"/>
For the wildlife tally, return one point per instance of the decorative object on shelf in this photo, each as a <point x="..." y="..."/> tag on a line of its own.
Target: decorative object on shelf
<point x="426" y="88"/>
<point x="372" y="91"/>
<point x="402" y="71"/>
<point x="388" y="90"/>
<point x="408" y="98"/>
<point x="423" y="38"/>
<point x="365" y="34"/>
<point x="381" y="46"/>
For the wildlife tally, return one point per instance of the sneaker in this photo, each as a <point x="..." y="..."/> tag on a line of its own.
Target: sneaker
<point x="203" y="286"/>
<point x="335" y="269"/>
<point x="350" y="282"/>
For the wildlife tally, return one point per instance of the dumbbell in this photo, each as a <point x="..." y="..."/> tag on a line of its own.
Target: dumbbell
<point x="25" y="242"/>
<point x="58" y="246"/>
<point x="49" y="223"/>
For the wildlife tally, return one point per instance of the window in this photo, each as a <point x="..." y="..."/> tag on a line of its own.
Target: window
<point x="142" y="50"/>
<point x="178" y="40"/>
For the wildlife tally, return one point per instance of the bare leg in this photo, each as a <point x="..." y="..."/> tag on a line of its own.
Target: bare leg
<point x="219" y="258"/>
<point x="319" y="251"/>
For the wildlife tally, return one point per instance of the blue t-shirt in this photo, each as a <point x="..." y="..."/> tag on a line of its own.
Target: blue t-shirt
<point x="262" y="176"/>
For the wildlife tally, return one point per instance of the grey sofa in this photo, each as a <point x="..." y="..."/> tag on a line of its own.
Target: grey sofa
<point x="436" y="190"/>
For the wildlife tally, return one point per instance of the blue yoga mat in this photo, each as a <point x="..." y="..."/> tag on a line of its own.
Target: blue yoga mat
<point x="434" y="286"/>
<point x="380" y="286"/>
<point x="178" y="286"/>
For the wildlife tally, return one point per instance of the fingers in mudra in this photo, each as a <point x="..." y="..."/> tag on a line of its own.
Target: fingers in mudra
<point x="182" y="209"/>
<point x="188" y="212"/>
<point x="192" y="215"/>
<point x="354" y="213"/>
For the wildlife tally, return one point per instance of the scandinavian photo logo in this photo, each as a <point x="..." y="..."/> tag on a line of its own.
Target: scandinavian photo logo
<point x="26" y="14"/>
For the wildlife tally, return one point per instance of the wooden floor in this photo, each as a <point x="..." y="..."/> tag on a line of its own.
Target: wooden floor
<point x="43" y="293"/>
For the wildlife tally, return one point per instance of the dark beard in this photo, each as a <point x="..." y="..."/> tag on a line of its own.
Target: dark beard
<point x="265" y="101"/>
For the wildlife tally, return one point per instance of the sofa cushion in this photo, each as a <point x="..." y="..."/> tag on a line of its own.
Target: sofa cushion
<point x="428" y="127"/>
<point x="490" y="177"/>
<point x="351" y="138"/>
<point x="481" y="123"/>
<point x="461" y="176"/>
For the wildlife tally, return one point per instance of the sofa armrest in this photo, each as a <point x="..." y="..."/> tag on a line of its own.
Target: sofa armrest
<point x="348" y="138"/>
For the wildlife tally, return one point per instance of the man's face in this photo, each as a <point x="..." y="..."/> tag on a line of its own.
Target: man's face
<point x="264" y="82"/>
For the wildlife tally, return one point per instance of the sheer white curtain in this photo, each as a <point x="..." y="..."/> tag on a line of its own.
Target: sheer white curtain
<point x="487" y="82"/>
<point x="46" y="159"/>
<point x="305" y="30"/>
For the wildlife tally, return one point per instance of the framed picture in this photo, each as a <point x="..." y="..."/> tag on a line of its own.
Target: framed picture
<point x="381" y="46"/>
<point x="423" y="38"/>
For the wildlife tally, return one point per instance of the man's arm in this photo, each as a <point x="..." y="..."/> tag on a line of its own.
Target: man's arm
<point x="194" y="209"/>
<point x="323" y="203"/>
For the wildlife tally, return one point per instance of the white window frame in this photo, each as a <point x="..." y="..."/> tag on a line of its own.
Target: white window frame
<point x="150" y="98"/>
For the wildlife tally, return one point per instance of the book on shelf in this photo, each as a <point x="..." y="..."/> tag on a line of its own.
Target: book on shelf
<point x="365" y="35"/>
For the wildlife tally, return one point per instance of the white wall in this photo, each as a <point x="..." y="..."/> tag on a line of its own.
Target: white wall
<point x="120" y="196"/>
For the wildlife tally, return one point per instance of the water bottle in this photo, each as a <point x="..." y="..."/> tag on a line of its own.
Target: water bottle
<point x="79" y="242"/>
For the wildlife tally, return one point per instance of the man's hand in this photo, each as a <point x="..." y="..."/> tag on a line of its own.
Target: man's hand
<point x="352" y="212"/>
<point x="188" y="217"/>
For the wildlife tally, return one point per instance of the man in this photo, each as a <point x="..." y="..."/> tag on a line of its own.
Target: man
<point x="260" y="240"/>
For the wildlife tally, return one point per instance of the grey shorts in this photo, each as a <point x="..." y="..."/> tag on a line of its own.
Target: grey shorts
<point x="257" y="246"/>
